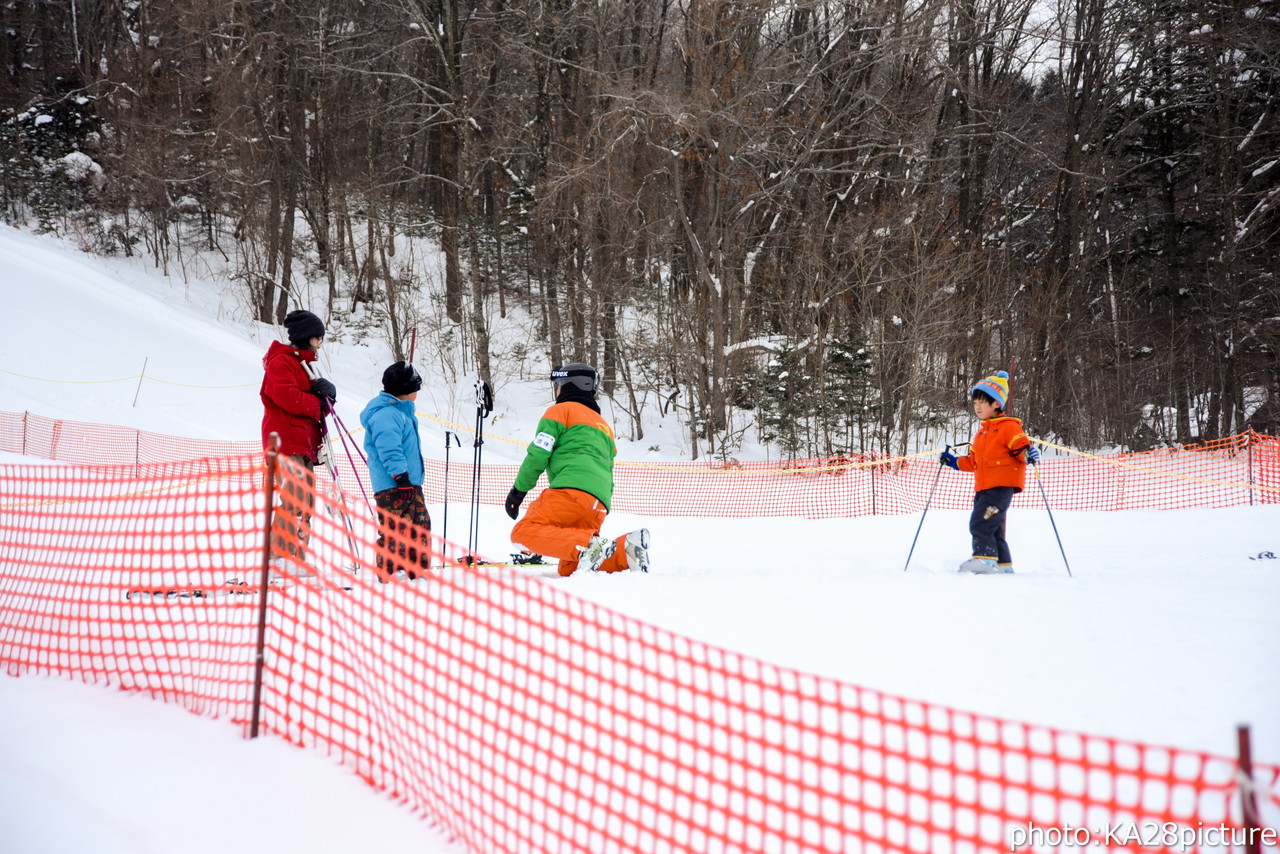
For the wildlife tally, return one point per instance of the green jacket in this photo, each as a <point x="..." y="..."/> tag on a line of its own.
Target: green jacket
<point x="575" y="447"/>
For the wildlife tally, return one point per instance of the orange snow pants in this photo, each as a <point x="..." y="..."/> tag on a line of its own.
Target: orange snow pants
<point x="561" y="520"/>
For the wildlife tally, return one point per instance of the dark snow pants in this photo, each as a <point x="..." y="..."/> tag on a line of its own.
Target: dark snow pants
<point x="987" y="524"/>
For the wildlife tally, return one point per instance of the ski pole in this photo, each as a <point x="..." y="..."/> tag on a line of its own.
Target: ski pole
<point x="343" y="433"/>
<point x="484" y="405"/>
<point x="927" y="502"/>
<point x="342" y="500"/>
<point x="449" y="438"/>
<point x="1053" y="523"/>
<point x="326" y="407"/>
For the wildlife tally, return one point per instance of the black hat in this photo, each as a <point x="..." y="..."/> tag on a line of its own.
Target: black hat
<point x="401" y="378"/>
<point x="301" y="327"/>
<point x="578" y="375"/>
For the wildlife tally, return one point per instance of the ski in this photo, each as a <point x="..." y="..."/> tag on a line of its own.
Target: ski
<point x="231" y="588"/>
<point x="521" y="558"/>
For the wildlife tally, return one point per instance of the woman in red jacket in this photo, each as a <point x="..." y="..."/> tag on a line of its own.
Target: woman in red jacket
<point x="293" y="408"/>
<point x="998" y="459"/>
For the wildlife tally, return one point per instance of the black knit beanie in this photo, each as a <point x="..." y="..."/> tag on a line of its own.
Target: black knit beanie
<point x="401" y="378"/>
<point x="301" y="326"/>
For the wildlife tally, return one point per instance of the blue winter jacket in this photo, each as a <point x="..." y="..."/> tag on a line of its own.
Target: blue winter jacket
<point x="391" y="441"/>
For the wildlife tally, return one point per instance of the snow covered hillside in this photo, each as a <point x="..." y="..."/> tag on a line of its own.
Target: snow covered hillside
<point x="1165" y="634"/>
<point x="87" y="769"/>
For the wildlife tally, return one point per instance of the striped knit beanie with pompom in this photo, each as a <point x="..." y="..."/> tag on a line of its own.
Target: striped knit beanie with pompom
<point x="996" y="387"/>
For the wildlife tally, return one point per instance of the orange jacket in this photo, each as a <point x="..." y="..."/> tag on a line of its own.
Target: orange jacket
<point x="995" y="457"/>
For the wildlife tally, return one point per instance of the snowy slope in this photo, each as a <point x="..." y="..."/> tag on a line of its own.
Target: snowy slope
<point x="88" y="770"/>
<point x="74" y="322"/>
<point x="81" y="320"/>
<point x="1166" y="634"/>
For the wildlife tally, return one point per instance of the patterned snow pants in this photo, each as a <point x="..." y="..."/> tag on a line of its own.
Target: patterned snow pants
<point x="404" y="532"/>
<point x="291" y="521"/>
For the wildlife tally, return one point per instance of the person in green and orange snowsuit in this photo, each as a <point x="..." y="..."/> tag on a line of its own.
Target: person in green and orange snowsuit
<point x="998" y="459"/>
<point x="574" y="445"/>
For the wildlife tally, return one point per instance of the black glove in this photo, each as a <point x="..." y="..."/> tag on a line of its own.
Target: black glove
<point x="948" y="459"/>
<point x="402" y="481"/>
<point x="325" y="389"/>
<point x="514" y="498"/>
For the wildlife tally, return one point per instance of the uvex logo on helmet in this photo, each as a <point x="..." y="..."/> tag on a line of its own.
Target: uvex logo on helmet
<point x="580" y="376"/>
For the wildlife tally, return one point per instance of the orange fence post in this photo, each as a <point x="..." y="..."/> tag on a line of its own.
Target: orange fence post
<point x="269" y="488"/>
<point x="872" y="469"/>
<point x="1248" y="798"/>
<point x="1249" y="439"/>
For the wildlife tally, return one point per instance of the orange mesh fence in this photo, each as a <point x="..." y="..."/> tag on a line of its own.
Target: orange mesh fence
<point x="80" y="547"/>
<point x="520" y="718"/>
<point x="104" y="444"/>
<point x="1242" y="469"/>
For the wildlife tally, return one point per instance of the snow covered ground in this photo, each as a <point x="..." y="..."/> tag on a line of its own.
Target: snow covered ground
<point x="1166" y="634"/>
<point x="88" y="770"/>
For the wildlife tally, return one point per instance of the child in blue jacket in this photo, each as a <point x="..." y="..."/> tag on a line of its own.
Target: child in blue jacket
<point x="394" y="450"/>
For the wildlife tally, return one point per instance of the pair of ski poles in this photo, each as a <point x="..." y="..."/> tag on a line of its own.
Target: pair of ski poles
<point x="484" y="406"/>
<point x="327" y="410"/>
<point x="929" y="500"/>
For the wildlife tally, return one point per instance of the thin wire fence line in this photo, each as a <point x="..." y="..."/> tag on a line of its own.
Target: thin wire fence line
<point x="833" y="465"/>
<point x="139" y="376"/>
<point x="516" y="716"/>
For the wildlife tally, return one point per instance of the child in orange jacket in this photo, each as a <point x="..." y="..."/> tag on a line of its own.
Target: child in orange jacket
<point x="998" y="458"/>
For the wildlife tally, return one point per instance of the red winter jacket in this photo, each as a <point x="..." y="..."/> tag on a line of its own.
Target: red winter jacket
<point x="290" y="408"/>
<point x="996" y="458"/>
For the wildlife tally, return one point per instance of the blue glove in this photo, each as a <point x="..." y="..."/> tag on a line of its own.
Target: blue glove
<point x="1033" y="455"/>
<point x="948" y="459"/>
